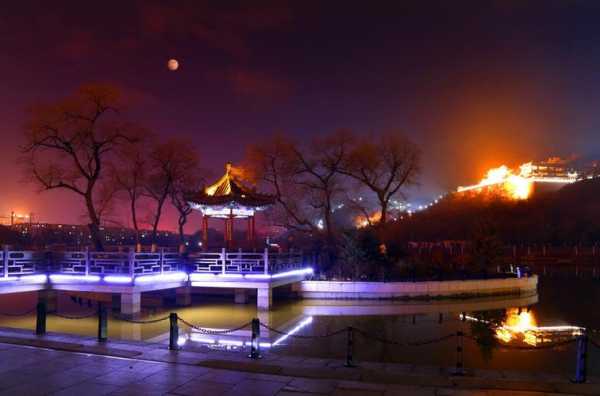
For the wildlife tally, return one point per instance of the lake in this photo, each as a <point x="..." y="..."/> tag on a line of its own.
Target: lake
<point x="559" y="302"/>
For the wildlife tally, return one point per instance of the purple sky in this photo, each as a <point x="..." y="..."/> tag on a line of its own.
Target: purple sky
<point x="476" y="83"/>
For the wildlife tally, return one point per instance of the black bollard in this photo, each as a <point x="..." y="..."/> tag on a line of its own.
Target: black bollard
<point x="581" y="366"/>
<point x="459" y="354"/>
<point x="349" y="348"/>
<point x="40" y="323"/>
<point x="173" y="331"/>
<point x="255" y="342"/>
<point x="102" y="323"/>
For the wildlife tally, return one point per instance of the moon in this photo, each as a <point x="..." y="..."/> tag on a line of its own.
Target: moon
<point x="172" y="64"/>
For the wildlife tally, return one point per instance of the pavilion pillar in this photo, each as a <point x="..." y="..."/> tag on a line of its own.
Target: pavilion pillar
<point x="251" y="230"/>
<point x="204" y="232"/>
<point x="229" y="232"/>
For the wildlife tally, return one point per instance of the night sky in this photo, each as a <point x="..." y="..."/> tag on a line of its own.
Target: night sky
<point x="476" y="83"/>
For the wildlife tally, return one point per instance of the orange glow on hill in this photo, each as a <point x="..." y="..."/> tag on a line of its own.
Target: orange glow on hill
<point x="518" y="185"/>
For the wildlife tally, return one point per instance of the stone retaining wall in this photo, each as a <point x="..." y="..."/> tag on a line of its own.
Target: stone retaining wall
<point x="399" y="290"/>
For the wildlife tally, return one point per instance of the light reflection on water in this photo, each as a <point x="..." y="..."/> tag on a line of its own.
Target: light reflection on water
<point x="404" y="321"/>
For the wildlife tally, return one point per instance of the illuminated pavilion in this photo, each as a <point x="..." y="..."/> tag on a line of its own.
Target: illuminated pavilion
<point x="229" y="199"/>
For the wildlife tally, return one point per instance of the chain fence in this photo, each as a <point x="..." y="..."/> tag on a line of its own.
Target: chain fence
<point x="400" y="343"/>
<point x="211" y="331"/>
<point x="139" y="321"/>
<point x="582" y="339"/>
<point x="75" y="317"/>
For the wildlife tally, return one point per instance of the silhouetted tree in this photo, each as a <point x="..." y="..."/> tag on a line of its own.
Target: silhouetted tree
<point x="69" y="143"/>
<point x="384" y="164"/>
<point x="169" y="163"/>
<point x="130" y="173"/>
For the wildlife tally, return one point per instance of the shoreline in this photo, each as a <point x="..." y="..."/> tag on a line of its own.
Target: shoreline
<point x="405" y="291"/>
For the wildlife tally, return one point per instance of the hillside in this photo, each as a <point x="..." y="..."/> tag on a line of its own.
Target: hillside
<point x="568" y="215"/>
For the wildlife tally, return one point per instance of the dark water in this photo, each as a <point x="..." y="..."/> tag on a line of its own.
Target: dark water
<point x="559" y="302"/>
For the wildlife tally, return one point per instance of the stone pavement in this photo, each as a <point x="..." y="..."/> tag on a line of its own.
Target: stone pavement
<point x="36" y="371"/>
<point x="59" y="364"/>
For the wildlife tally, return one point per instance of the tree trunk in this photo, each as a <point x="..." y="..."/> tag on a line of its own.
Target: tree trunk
<point x="94" y="225"/>
<point x="159" y="208"/>
<point x="181" y="223"/>
<point x="384" y="206"/>
<point x="135" y="222"/>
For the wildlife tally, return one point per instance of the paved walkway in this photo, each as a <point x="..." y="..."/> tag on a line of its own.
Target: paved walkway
<point x="59" y="364"/>
<point x="35" y="371"/>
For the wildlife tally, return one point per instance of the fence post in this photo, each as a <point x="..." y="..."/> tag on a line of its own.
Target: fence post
<point x="349" y="347"/>
<point x="581" y="366"/>
<point x="459" y="354"/>
<point x="266" y="260"/>
<point x="255" y="341"/>
<point x="173" y="331"/>
<point x="102" y="323"/>
<point x="40" y="323"/>
<point x="87" y="260"/>
<point x="223" y="259"/>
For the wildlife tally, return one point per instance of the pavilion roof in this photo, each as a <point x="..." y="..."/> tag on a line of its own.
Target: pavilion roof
<point x="228" y="191"/>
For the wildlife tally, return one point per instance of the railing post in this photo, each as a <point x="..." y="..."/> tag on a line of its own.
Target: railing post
<point x="40" y="323"/>
<point x="162" y="261"/>
<point x="581" y="365"/>
<point x="223" y="258"/>
<point x="459" y="354"/>
<point x="349" y="347"/>
<point x="5" y="261"/>
<point x="102" y="323"/>
<point x="266" y="260"/>
<point x="255" y="341"/>
<point x="87" y="260"/>
<point x="173" y="331"/>
<point x="131" y="261"/>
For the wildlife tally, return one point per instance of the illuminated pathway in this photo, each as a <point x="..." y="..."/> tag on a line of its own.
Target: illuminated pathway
<point x="150" y="369"/>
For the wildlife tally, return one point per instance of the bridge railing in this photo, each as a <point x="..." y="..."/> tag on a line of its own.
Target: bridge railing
<point x="115" y="263"/>
<point x="21" y="262"/>
<point x="238" y="262"/>
<point x="86" y="262"/>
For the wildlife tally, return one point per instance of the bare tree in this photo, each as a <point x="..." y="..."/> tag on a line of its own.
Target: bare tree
<point x="317" y="168"/>
<point x="129" y="174"/>
<point x="189" y="180"/>
<point x="69" y="143"/>
<point x="305" y="180"/>
<point x="384" y="165"/>
<point x="272" y="163"/>
<point x="169" y="162"/>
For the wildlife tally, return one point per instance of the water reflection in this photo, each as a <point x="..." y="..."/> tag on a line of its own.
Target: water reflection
<point x="498" y="319"/>
<point x="520" y="325"/>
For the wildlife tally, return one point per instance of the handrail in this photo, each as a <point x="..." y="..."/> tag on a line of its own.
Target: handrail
<point x="87" y="262"/>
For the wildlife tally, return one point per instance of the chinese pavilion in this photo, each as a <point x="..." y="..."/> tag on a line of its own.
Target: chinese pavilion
<point x="229" y="199"/>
